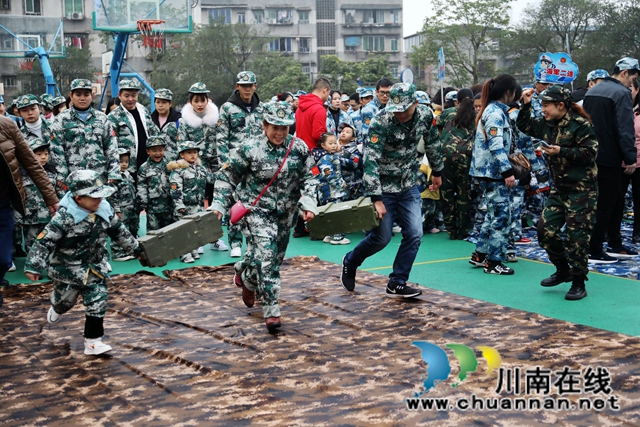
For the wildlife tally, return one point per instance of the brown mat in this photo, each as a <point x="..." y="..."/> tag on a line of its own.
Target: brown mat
<point x="187" y="352"/>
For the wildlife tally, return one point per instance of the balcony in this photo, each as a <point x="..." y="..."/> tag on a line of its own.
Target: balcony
<point x="304" y="50"/>
<point x="281" y="21"/>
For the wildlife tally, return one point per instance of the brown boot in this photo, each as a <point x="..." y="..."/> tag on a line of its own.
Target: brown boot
<point x="273" y="323"/>
<point x="248" y="297"/>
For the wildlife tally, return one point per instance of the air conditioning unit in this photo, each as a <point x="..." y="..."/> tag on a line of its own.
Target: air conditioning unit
<point x="272" y="21"/>
<point x="77" y="15"/>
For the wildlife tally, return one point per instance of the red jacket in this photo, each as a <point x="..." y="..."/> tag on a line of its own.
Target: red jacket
<point x="311" y="119"/>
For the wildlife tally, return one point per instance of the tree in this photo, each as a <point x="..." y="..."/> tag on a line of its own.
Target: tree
<point x="344" y="75"/>
<point x="464" y="28"/>
<point x="278" y="73"/>
<point x="76" y="65"/>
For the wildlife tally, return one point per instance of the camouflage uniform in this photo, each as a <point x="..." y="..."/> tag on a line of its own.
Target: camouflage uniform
<point x="73" y="247"/>
<point x="356" y="119"/>
<point x="268" y="227"/>
<point x="201" y="130"/>
<point x="169" y="130"/>
<point x="123" y="202"/>
<point x="574" y="195"/>
<point x="519" y="191"/>
<point x="538" y="188"/>
<point x="188" y="183"/>
<point x="154" y="190"/>
<point x="332" y="186"/>
<point x="332" y="126"/>
<point x="351" y="165"/>
<point x="367" y="113"/>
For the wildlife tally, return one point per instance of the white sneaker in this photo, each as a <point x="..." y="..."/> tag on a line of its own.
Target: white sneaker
<point x="219" y="246"/>
<point x="343" y="241"/>
<point x="109" y="269"/>
<point x="187" y="258"/>
<point x="95" y="346"/>
<point x="396" y="229"/>
<point x="236" y="253"/>
<point x="200" y="250"/>
<point x="326" y="239"/>
<point x="195" y="255"/>
<point x="13" y="267"/>
<point x="124" y="258"/>
<point x="52" y="316"/>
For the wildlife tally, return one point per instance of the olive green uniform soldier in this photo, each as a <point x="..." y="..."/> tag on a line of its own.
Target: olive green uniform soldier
<point x="238" y="122"/>
<point x="86" y="139"/>
<point x="73" y="249"/>
<point x="573" y="197"/>
<point x="170" y="129"/>
<point x="123" y="202"/>
<point x="154" y="189"/>
<point x="268" y="226"/>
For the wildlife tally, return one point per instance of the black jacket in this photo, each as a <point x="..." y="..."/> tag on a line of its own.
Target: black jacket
<point x="173" y="117"/>
<point x="610" y="107"/>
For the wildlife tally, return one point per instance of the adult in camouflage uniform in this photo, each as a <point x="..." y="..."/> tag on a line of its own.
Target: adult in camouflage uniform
<point x="167" y="119"/>
<point x="458" y="132"/>
<point x="268" y="226"/>
<point x="572" y="202"/>
<point x="73" y="249"/>
<point x="240" y="120"/>
<point x="154" y="189"/>
<point x="198" y="124"/>
<point x="391" y="164"/>
<point x="368" y="112"/>
<point x="123" y="202"/>
<point x="85" y="137"/>
<point x="132" y="124"/>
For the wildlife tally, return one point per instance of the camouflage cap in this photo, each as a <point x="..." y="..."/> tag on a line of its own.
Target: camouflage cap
<point x="127" y="84"/>
<point x="187" y="145"/>
<point x="123" y="151"/>
<point x="360" y="89"/>
<point x="278" y="113"/>
<point x="401" y="97"/>
<point x="164" y="94"/>
<point x="300" y="93"/>
<point x="26" y="100"/>
<point x="58" y="100"/>
<point x="344" y="98"/>
<point x="81" y="84"/>
<point x="556" y="94"/>
<point x="36" y="143"/>
<point x="451" y="96"/>
<point x="423" y="97"/>
<point x="46" y="100"/>
<point x="597" y="74"/>
<point x="88" y="183"/>
<point x="366" y="93"/>
<point x="628" y="63"/>
<point x="156" y="140"/>
<point x="246" y="78"/>
<point x="198" y="88"/>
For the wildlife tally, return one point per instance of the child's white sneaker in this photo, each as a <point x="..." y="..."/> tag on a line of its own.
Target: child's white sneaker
<point x="200" y="250"/>
<point x="13" y="267"/>
<point x="52" y="316"/>
<point x="236" y="253"/>
<point x="219" y="246"/>
<point x="95" y="346"/>
<point x="327" y="239"/>
<point x="187" y="258"/>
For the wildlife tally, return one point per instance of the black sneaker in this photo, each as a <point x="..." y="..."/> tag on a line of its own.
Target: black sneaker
<point x="348" y="276"/>
<point x="478" y="259"/>
<point x="602" y="258"/>
<point x="623" y="252"/>
<point x="396" y="290"/>
<point x="496" y="267"/>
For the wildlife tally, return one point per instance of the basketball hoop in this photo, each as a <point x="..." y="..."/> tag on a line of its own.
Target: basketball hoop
<point x="26" y="64"/>
<point x="151" y="38"/>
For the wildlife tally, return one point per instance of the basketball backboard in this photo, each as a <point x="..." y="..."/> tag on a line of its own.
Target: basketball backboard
<point x="123" y="15"/>
<point x="20" y="35"/>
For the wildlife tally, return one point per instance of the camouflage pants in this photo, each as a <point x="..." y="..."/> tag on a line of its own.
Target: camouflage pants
<point x="94" y="296"/>
<point x="494" y="234"/>
<point x="578" y="212"/>
<point x="131" y="220"/>
<point x="517" y="210"/>
<point x="156" y="221"/>
<point x="534" y="203"/>
<point x="430" y="213"/>
<point x="267" y="237"/>
<point x="455" y="193"/>
<point x="234" y="233"/>
<point x="31" y="232"/>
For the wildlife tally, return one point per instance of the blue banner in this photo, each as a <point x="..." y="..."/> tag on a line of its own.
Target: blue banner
<point x="555" y="68"/>
<point x="441" y="64"/>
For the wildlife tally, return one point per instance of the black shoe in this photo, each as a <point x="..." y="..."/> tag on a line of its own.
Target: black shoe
<point x="20" y="253"/>
<point x="497" y="267"/>
<point x="602" y="258"/>
<point x="578" y="290"/>
<point x="397" y="290"/>
<point x="478" y="259"/>
<point x="560" y="276"/>
<point x="453" y="235"/>
<point x="348" y="276"/>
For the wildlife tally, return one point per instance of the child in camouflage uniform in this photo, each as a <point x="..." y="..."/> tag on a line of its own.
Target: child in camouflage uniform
<point x="154" y="194"/>
<point x="73" y="247"/>
<point x="123" y="202"/>
<point x="188" y="181"/>
<point x="351" y="160"/>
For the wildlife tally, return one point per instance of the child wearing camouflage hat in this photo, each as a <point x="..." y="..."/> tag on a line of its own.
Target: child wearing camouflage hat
<point x="123" y="202"/>
<point x="73" y="247"/>
<point x="154" y="190"/>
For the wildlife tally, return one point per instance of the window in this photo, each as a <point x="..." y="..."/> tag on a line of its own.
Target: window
<point x="395" y="17"/>
<point x="77" y="40"/>
<point x="241" y="18"/>
<point x="395" y="71"/>
<point x="326" y="9"/>
<point x="31" y="40"/>
<point x="306" y="69"/>
<point x="350" y="16"/>
<point x="394" y="45"/>
<point x="303" y="17"/>
<point x="351" y="44"/>
<point x="258" y="16"/>
<point x="326" y="34"/>
<point x="10" y="81"/>
<point x="5" y="4"/>
<point x="281" y="45"/>
<point x="72" y="7"/>
<point x="221" y="15"/>
<point x="305" y="45"/>
<point x="373" y="17"/>
<point x="373" y="43"/>
<point x="32" y="7"/>
<point x="280" y="16"/>
<point x="7" y="43"/>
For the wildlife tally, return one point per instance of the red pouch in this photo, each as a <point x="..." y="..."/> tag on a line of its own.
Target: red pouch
<point x="237" y="212"/>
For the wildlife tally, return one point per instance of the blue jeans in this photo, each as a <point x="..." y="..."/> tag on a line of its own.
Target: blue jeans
<point x="6" y="240"/>
<point x="404" y="208"/>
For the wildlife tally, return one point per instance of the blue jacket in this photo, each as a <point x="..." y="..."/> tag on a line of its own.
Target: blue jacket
<point x="492" y="143"/>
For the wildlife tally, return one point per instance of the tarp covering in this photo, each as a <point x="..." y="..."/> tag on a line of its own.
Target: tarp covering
<point x="186" y="351"/>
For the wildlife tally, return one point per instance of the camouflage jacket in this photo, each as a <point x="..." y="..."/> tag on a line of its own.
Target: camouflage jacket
<point x="523" y="142"/>
<point x="126" y="132"/>
<point x="45" y="128"/>
<point x="366" y="115"/>
<point x="574" y="169"/>
<point x="445" y="117"/>
<point x="170" y="131"/>
<point x="125" y="196"/>
<point x="536" y="107"/>
<point x="188" y="184"/>
<point x="391" y="159"/>
<point x="55" y="151"/>
<point x="492" y="143"/>
<point x="331" y="184"/>
<point x="237" y="125"/>
<point x="351" y="163"/>
<point x="89" y="144"/>
<point x="36" y="211"/>
<point x="202" y="131"/>
<point x="71" y="244"/>
<point x="455" y="141"/>
<point x="251" y="167"/>
<point x="357" y="122"/>
<point x="154" y="190"/>
<point x="332" y="126"/>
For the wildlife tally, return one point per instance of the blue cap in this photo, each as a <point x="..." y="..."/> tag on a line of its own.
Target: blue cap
<point x="597" y="74"/>
<point x="628" y="63"/>
<point x="1" y="99"/>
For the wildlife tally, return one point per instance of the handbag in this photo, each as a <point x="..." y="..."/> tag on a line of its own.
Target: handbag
<point x="519" y="163"/>
<point x="238" y="210"/>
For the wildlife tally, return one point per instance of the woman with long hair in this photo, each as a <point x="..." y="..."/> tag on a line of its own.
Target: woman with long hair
<point x="570" y="144"/>
<point x="335" y="115"/>
<point x="490" y="166"/>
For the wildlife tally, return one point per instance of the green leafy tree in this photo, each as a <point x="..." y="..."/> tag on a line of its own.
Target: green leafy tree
<point x="344" y="75"/>
<point x="277" y="73"/>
